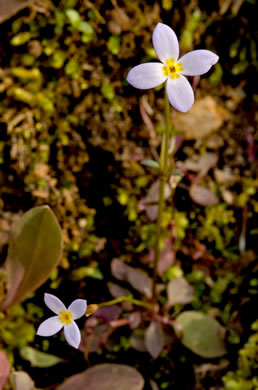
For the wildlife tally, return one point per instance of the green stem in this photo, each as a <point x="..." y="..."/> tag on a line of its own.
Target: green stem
<point x="163" y="180"/>
<point x="127" y="299"/>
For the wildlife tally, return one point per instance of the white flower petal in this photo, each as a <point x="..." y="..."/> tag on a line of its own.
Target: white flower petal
<point x="198" y="62"/>
<point x="54" y="303"/>
<point x="180" y="93"/>
<point x="165" y="42"/>
<point x="49" y="327"/>
<point x="146" y="76"/>
<point x="78" y="308"/>
<point x="72" y="334"/>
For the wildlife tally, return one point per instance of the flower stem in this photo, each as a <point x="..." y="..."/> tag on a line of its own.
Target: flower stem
<point x="163" y="180"/>
<point x="127" y="299"/>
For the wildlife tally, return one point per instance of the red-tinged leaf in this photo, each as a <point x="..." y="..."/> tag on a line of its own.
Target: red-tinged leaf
<point x="151" y="200"/>
<point x="251" y="145"/>
<point x="119" y="269"/>
<point x="202" y="195"/>
<point x="96" y="339"/>
<point x="105" y="377"/>
<point x="137" y="340"/>
<point x="154" y="339"/>
<point x="23" y="381"/>
<point x="166" y="258"/>
<point x="107" y="313"/>
<point x="117" y="291"/>
<point x="34" y="250"/>
<point x="135" y="319"/>
<point x="179" y="291"/>
<point x="4" y="370"/>
<point x="140" y="281"/>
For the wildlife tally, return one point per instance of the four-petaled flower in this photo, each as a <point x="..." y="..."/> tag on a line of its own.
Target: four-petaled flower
<point x="172" y="69"/>
<point x="64" y="319"/>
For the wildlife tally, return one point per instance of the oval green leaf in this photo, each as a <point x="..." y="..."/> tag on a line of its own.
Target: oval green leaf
<point x="151" y="164"/>
<point x="38" y="358"/>
<point x="34" y="250"/>
<point x="202" y="334"/>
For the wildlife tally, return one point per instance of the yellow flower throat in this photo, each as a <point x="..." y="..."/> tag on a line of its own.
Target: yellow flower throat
<point x="172" y="69"/>
<point x="66" y="317"/>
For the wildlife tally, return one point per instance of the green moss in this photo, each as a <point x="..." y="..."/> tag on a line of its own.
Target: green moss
<point x="245" y="377"/>
<point x="16" y="329"/>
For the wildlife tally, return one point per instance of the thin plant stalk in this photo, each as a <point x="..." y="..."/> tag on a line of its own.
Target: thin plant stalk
<point x="163" y="180"/>
<point x="127" y="299"/>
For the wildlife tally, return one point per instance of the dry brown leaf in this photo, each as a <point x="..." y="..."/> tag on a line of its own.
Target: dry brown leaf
<point x="204" y="118"/>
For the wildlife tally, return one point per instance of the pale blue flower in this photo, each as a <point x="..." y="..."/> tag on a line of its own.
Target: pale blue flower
<point x="64" y="319"/>
<point x="171" y="69"/>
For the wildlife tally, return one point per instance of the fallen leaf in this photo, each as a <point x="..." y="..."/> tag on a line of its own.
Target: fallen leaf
<point x="225" y="177"/>
<point x="201" y="164"/>
<point x="202" y="195"/>
<point x="204" y="118"/>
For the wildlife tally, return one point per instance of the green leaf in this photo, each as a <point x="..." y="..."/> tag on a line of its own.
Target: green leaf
<point x="176" y="172"/>
<point x="86" y="28"/>
<point x="105" y="377"/>
<point x="151" y="163"/>
<point x="202" y="334"/>
<point x="38" y="358"/>
<point x="87" y="271"/>
<point x="107" y="90"/>
<point x="73" y="17"/>
<point x="21" y="38"/>
<point x="113" y="44"/>
<point x="34" y="250"/>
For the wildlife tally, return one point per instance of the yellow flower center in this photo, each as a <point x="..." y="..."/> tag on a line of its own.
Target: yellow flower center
<point x="172" y="69"/>
<point x="66" y="317"/>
